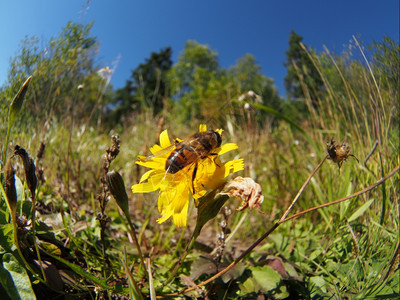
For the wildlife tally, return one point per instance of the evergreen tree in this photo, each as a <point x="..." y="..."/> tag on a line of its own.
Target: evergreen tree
<point x="147" y="85"/>
<point x="302" y="79"/>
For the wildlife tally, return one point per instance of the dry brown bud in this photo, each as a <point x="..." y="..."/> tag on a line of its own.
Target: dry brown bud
<point x="116" y="187"/>
<point x="30" y="169"/>
<point x="338" y="153"/>
<point x="40" y="151"/>
<point x="9" y="186"/>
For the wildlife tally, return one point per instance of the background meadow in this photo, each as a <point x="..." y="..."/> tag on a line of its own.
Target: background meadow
<point x="77" y="242"/>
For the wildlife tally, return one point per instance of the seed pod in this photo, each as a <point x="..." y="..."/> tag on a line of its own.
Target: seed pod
<point x="30" y="169"/>
<point x="116" y="187"/>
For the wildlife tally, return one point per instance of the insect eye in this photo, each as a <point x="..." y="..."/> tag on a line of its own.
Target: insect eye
<point x="218" y="136"/>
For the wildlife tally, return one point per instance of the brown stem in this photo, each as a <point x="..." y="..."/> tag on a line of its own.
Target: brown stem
<point x="367" y="189"/>
<point x="302" y="189"/>
<point x="272" y="229"/>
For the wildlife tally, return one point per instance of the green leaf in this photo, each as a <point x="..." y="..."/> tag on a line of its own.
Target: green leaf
<point x="14" y="278"/>
<point x="17" y="102"/>
<point x="208" y="208"/>
<point x="6" y="237"/>
<point x="266" y="277"/>
<point x="78" y="270"/>
<point x="361" y="210"/>
<point x="319" y="281"/>
<point x="249" y="286"/>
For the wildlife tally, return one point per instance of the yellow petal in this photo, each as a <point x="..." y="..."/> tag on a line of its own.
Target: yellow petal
<point x="164" y="139"/>
<point x="154" y="163"/>
<point x="227" y="147"/>
<point x="164" y="217"/>
<point x="233" y="166"/>
<point x="144" y="187"/>
<point x="180" y="218"/>
<point x="146" y="175"/>
<point x="202" y="128"/>
<point x="155" y="149"/>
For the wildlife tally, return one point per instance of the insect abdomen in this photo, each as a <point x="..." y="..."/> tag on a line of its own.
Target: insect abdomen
<point x="173" y="165"/>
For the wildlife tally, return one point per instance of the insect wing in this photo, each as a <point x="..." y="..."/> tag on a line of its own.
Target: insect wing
<point x="157" y="152"/>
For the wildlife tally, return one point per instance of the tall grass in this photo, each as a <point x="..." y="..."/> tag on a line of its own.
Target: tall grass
<point x="347" y="250"/>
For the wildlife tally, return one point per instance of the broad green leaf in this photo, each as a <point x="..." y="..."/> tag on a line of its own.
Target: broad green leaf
<point x="249" y="286"/>
<point x="14" y="279"/>
<point x="208" y="208"/>
<point x="319" y="281"/>
<point x="6" y="237"/>
<point x="361" y="210"/>
<point x="266" y="277"/>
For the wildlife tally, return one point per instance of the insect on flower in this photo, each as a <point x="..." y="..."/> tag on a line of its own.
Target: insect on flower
<point x="189" y="167"/>
<point x="198" y="146"/>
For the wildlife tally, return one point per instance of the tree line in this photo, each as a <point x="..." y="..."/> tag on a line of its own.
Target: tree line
<point x="66" y="81"/>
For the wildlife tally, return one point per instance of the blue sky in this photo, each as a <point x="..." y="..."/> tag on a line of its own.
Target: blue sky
<point x="128" y="31"/>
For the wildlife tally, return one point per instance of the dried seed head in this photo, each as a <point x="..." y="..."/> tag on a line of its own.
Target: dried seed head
<point x="116" y="186"/>
<point x="247" y="190"/>
<point x="40" y="151"/>
<point x="338" y="153"/>
<point x="30" y="169"/>
<point x="9" y="186"/>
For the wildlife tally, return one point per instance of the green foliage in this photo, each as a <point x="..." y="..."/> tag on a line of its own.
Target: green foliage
<point x="14" y="278"/>
<point x="189" y="78"/>
<point x="345" y="251"/>
<point x="57" y="70"/>
<point x="147" y="86"/>
<point x="302" y="79"/>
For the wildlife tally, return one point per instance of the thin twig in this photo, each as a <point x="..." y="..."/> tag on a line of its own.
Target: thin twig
<point x="370" y="154"/>
<point x="302" y="189"/>
<point x="367" y="189"/>
<point x="135" y="239"/>
<point x="272" y="229"/>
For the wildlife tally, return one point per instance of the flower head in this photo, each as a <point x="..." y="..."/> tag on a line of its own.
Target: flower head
<point x="197" y="175"/>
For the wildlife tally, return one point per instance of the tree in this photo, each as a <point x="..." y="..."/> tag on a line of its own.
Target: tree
<point x="248" y="75"/>
<point x="58" y="69"/>
<point x="302" y="79"/>
<point x="147" y="86"/>
<point x="190" y="77"/>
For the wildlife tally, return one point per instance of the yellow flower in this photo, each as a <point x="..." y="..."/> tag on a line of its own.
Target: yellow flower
<point x="176" y="189"/>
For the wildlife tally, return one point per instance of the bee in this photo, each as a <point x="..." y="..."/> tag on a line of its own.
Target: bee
<point x="190" y="151"/>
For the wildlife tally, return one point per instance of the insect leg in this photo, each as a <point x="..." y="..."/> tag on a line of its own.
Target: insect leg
<point x="215" y="156"/>
<point x="194" y="176"/>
